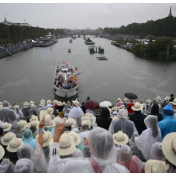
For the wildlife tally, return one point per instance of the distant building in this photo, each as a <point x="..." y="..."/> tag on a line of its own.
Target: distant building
<point x="6" y="22"/>
<point x="11" y="23"/>
<point x="170" y="12"/>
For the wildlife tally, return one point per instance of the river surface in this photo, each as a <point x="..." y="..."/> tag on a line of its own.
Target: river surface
<point x="28" y="75"/>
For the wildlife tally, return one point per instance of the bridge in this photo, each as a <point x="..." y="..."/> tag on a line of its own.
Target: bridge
<point x="84" y="33"/>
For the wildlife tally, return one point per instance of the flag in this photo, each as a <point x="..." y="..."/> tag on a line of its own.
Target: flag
<point x="63" y="62"/>
<point x="76" y="69"/>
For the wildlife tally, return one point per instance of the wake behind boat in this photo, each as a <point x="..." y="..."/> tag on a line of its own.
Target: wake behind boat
<point x="65" y="81"/>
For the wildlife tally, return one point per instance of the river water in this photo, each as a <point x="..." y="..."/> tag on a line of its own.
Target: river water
<point x="28" y="75"/>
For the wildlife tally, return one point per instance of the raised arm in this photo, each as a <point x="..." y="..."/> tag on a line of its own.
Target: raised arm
<point x="40" y="141"/>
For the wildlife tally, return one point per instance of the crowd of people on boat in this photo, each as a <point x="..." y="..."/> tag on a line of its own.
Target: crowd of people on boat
<point x="59" y="137"/>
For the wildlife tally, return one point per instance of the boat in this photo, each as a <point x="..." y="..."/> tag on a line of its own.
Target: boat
<point x="69" y="50"/>
<point x="89" y="42"/>
<point x="65" y="81"/>
<point x="92" y="49"/>
<point x="47" y="40"/>
<point x="102" y="58"/>
<point x="100" y="50"/>
<point x="70" y="41"/>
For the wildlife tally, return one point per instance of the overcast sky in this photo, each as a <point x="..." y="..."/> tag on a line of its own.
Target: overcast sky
<point x="81" y="16"/>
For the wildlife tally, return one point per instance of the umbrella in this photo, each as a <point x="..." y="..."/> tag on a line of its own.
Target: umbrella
<point x="131" y="96"/>
<point x="90" y="104"/>
<point x="105" y="104"/>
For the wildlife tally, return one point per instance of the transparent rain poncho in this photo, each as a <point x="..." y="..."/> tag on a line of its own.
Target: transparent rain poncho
<point x="28" y="138"/>
<point x="25" y="151"/>
<point x="122" y="124"/>
<point x="6" y="166"/>
<point x="19" y="112"/>
<point x="76" y="113"/>
<point x="9" y="114"/>
<point x="77" y="153"/>
<point x="132" y="163"/>
<point x="168" y="124"/>
<point x="68" y="104"/>
<point x="156" y="151"/>
<point x="149" y="136"/>
<point x="24" y="166"/>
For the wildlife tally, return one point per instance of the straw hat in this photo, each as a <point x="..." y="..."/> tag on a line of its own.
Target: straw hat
<point x="148" y="100"/>
<point x="6" y="126"/>
<point x="158" y="98"/>
<point x="119" y="99"/>
<point x="5" y="140"/>
<point x="75" y="103"/>
<point x="25" y="103"/>
<point x="2" y="152"/>
<point x="14" y="144"/>
<point x="48" y="102"/>
<point x="23" y="124"/>
<point x="50" y="111"/>
<point x="42" y="101"/>
<point x="89" y="114"/>
<point x="35" y="123"/>
<point x="33" y="106"/>
<point x="63" y="103"/>
<point x="47" y="137"/>
<point x="85" y="118"/>
<point x="71" y="121"/>
<point x="31" y="102"/>
<point x="95" y="123"/>
<point x="76" y="137"/>
<point x="126" y="99"/>
<point x="120" y="138"/>
<point x="114" y="109"/>
<point x="28" y="125"/>
<point x="42" y="104"/>
<point x="16" y="106"/>
<point x="66" y="145"/>
<point x="34" y="118"/>
<point x="59" y="103"/>
<point x="167" y="98"/>
<point x="115" y="118"/>
<point x="55" y="102"/>
<point x="156" y="166"/>
<point x="118" y="108"/>
<point x="144" y="105"/>
<point x="122" y="107"/>
<point x="57" y="120"/>
<point x="169" y="147"/>
<point x="86" y="122"/>
<point x="137" y="107"/>
<point x="48" y="122"/>
<point x="174" y="102"/>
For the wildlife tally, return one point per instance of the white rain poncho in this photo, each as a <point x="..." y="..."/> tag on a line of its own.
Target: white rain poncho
<point x="156" y="151"/>
<point x="24" y="166"/>
<point x="19" y="112"/>
<point x="76" y="113"/>
<point x="25" y="151"/>
<point x="103" y="152"/>
<point x="148" y="108"/>
<point x="122" y="124"/>
<point x="6" y="166"/>
<point x="77" y="153"/>
<point x="9" y="114"/>
<point x="132" y="163"/>
<point x="149" y="136"/>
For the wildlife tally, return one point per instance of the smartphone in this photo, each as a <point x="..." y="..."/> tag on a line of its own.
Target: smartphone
<point x="68" y="127"/>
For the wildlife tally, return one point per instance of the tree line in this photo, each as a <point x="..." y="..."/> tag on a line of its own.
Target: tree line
<point x="13" y="33"/>
<point x="161" y="27"/>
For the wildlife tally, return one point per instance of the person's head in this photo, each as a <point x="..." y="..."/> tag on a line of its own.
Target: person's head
<point x="1" y="131"/>
<point x="156" y="151"/>
<point x="33" y="129"/>
<point x="17" y="127"/>
<point x="172" y="95"/>
<point x="105" y="113"/>
<point x="168" y="112"/>
<point x="27" y="133"/>
<point x="122" y="113"/>
<point x="101" y="144"/>
<point x="24" y="166"/>
<point x="125" y="154"/>
<point x="6" y="104"/>
<point x="155" y="108"/>
<point x="25" y="151"/>
<point x="84" y="128"/>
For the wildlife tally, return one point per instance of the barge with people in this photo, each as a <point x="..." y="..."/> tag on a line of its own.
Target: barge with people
<point x="46" y="41"/>
<point x="65" y="81"/>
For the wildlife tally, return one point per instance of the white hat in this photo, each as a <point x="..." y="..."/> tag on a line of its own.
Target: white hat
<point x="59" y="103"/>
<point x="28" y="125"/>
<point x="47" y="120"/>
<point x="118" y="108"/>
<point x="174" y="102"/>
<point x="115" y="118"/>
<point x="42" y="101"/>
<point x="156" y="166"/>
<point x="5" y="140"/>
<point x="42" y="104"/>
<point x="119" y="99"/>
<point x="33" y="106"/>
<point x="122" y="107"/>
<point x="89" y="114"/>
<point x="144" y="105"/>
<point x="86" y="122"/>
<point x="6" y="126"/>
<point x="35" y="123"/>
<point x="63" y="103"/>
<point x="85" y="118"/>
<point x="72" y="121"/>
<point x="167" y="98"/>
<point x="55" y="102"/>
<point x="76" y="137"/>
<point x="126" y="99"/>
<point x="31" y="102"/>
<point x="2" y="152"/>
<point x="48" y="102"/>
<point x="34" y="118"/>
<point x="75" y="103"/>
<point x="57" y="120"/>
<point x="120" y="138"/>
<point x="16" y="106"/>
<point x="50" y="111"/>
<point x="23" y="124"/>
<point x="137" y="107"/>
<point x="169" y="147"/>
<point x="158" y="98"/>
<point x="114" y="109"/>
<point x="148" y="100"/>
<point x="14" y="144"/>
<point x="47" y="137"/>
<point x="25" y="103"/>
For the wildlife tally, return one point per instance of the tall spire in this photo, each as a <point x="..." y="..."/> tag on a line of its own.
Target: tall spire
<point x="5" y="18"/>
<point x="170" y="13"/>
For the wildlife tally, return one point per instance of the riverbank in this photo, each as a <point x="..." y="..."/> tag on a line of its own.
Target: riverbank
<point x="14" y="51"/>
